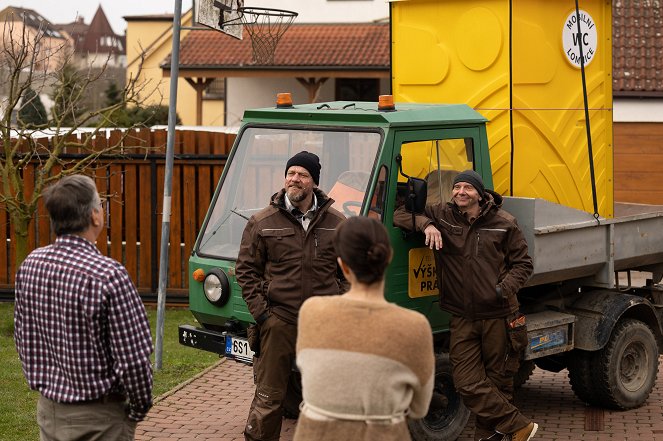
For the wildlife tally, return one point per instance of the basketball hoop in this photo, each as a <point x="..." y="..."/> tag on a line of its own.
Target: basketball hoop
<point x="266" y="26"/>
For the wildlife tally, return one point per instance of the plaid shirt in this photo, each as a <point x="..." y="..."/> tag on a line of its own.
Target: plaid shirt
<point x="80" y="327"/>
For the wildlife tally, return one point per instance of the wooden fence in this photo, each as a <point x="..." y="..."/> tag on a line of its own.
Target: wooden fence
<point x="638" y="162"/>
<point x="134" y="188"/>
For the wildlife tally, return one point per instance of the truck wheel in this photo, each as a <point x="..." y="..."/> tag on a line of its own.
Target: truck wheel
<point x="524" y="372"/>
<point x="626" y="368"/>
<point x="581" y="375"/>
<point x="447" y="415"/>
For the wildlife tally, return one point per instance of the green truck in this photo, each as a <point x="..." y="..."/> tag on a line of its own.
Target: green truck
<point x="579" y="317"/>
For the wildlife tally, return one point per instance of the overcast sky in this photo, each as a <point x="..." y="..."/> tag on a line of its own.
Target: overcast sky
<point x="65" y="11"/>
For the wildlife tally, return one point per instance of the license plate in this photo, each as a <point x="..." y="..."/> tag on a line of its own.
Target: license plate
<point x="238" y="348"/>
<point x="547" y="341"/>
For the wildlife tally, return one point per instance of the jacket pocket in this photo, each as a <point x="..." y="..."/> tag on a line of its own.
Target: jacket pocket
<point x="323" y="244"/>
<point x="490" y="243"/>
<point x="453" y="237"/>
<point x="279" y="243"/>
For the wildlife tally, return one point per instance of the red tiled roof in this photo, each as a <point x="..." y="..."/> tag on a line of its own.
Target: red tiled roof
<point x="337" y="46"/>
<point x="637" y="52"/>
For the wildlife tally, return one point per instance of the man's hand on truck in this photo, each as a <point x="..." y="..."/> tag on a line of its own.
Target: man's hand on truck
<point x="433" y="237"/>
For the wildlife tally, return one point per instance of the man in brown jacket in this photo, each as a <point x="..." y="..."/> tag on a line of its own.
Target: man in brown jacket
<point x="286" y="256"/>
<point x="482" y="262"/>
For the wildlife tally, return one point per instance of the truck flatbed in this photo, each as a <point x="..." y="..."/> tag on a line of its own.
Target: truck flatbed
<point x="566" y="243"/>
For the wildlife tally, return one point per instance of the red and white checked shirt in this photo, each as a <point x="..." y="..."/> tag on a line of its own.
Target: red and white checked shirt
<point x="80" y="327"/>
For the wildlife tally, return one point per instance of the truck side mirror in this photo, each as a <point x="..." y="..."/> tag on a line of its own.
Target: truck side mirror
<point x="416" y="197"/>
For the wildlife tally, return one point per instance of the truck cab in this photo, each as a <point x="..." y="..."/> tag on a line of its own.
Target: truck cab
<point x="366" y="154"/>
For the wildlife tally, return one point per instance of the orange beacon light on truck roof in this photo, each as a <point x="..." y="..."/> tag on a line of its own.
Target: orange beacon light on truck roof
<point x="283" y="100"/>
<point x="386" y="102"/>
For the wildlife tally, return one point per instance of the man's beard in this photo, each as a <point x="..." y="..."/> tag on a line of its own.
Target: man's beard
<point x="296" y="194"/>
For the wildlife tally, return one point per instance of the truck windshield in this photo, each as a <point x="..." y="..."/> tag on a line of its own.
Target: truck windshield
<point x="257" y="170"/>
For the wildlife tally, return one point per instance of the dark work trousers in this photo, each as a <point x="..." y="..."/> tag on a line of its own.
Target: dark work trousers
<point x="271" y="374"/>
<point x="483" y="374"/>
<point x="95" y="421"/>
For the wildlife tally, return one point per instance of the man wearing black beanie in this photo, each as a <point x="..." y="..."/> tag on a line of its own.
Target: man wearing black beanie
<point x="286" y="256"/>
<point x="482" y="262"/>
<point x="309" y="161"/>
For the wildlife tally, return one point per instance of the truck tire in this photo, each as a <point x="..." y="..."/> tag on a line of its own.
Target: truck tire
<point x="581" y="375"/>
<point x="626" y="368"/>
<point x="443" y="422"/>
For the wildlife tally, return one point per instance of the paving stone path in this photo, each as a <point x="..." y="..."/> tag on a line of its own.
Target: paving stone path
<point x="213" y="406"/>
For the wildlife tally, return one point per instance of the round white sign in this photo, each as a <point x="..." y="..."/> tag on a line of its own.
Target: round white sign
<point x="587" y="36"/>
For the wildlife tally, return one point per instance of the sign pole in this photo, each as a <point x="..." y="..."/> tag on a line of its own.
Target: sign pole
<point x="168" y="186"/>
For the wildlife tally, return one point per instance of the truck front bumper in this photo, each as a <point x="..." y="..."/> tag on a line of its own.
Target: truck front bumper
<point x="222" y="343"/>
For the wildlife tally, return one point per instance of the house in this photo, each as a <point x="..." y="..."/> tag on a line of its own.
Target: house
<point x="211" y="96"/>
<point x="53" y="47"/>
<point x="90" y="48"/>
<point x="27" y="30"/>
<point x="148" y="42"/>
<point x="314" y="62"/>
<point x="96" y="44"/>
<point x="637" y="64"/>
<point x="97" y="47"/>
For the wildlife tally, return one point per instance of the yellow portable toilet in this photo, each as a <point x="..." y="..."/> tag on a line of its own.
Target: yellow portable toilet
<point x="518" y="63"/>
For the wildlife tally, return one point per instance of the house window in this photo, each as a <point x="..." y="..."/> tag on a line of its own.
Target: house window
<point x="357" y="89"/>
<point x="216" y="90"/>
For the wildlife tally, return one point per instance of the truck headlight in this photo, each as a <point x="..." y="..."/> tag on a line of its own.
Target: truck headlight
<point x="216" y="287"/>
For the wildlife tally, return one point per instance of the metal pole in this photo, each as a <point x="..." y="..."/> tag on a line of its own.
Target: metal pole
<point x="168" y="186"/>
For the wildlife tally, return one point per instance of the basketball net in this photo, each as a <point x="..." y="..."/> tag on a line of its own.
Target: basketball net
<point x="265" y="26"/>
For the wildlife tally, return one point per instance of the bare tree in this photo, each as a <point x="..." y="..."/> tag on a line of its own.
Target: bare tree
<point x="27" y="61"/>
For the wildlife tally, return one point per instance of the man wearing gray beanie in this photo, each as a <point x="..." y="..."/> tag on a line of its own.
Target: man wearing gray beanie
<point x="471" y="177"/>
<point x="482" y="262"/>
<point x="286" y="256"/>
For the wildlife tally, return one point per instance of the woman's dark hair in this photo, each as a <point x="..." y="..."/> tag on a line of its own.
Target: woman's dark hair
<point x="70" y="202"/>
<point x="363" y="244"/>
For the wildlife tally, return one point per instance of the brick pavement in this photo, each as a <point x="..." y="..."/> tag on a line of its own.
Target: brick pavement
<point x="213" y="406"/>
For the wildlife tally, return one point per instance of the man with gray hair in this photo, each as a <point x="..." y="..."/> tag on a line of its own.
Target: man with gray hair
<point x="80" y="327"/>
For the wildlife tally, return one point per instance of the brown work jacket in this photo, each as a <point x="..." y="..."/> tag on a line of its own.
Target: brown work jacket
<point x="482" y="264"/>
<point x="280" y="265"/>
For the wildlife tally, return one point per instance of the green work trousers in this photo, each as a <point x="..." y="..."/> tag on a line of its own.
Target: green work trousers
<point x="271" y="372"/>
<point x="483" y="365"/>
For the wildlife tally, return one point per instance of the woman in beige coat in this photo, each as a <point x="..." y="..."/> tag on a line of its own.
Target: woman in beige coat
<point x="367" y="365"/>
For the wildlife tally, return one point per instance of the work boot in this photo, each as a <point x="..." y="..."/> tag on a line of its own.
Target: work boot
<point x="526" y="433"/>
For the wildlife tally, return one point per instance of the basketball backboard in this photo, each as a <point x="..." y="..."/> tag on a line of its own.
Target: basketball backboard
<point x="221" y="15"/>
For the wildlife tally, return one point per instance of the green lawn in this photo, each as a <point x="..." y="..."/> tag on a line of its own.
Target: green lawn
<point x="18" y="404"/>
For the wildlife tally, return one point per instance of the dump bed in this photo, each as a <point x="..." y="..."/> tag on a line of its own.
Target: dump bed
<point x="566" y="243"/>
